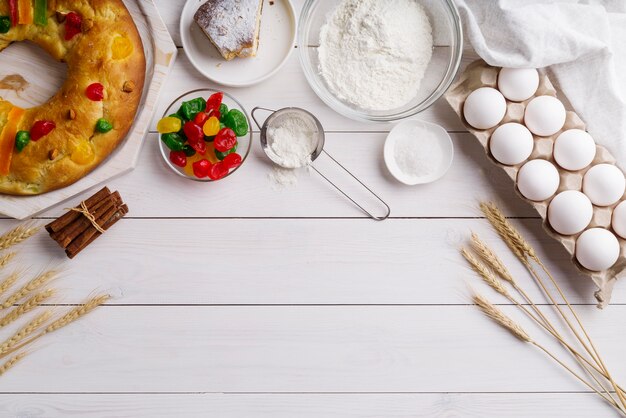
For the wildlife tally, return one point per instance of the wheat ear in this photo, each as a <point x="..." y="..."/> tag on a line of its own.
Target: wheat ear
<point x="11" y="362"/>
<point x="18" y="234"/>
<point x="76" y="313"/>
<point x="7" y="346"/>
<point x="25" y="307"/>
<point x="522" y="249"/>
<point x="5" y="259"/>
<point x="511" y="236"/>
<point x="489" y="278"/>
<point x="517" y="331"/>
<point x="491" y="258"/>
<point x="485" y="273"/>
<point x="9" y="281"/>
<point x="32" y="285"/>
<point x="69" y="317"/>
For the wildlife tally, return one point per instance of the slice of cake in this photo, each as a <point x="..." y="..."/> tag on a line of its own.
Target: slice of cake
<point x="232" y="26"/>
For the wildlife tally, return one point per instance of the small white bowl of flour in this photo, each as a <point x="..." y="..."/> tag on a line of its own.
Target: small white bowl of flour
<point x="418" y="152"/>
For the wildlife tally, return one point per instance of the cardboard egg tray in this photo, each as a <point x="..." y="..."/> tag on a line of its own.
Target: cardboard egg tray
<point x="480" y="74"/>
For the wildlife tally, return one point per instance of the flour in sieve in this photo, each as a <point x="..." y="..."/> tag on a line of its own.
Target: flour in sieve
<point x="374" y="54"/>
<point x="292" y="139"/>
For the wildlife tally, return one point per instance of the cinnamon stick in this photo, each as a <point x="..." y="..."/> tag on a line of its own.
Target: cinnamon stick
<point x="71" y="216"/>
<point x="87" y="237"/>
<point x="80" y="225"/>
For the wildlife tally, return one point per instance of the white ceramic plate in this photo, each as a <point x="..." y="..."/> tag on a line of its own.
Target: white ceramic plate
<point x="276" y="42"/>
<point x="405" y="128"/>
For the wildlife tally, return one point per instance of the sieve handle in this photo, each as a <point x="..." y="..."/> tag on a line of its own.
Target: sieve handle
<point x="260" y="125"/>
<point x="376" y="218"/>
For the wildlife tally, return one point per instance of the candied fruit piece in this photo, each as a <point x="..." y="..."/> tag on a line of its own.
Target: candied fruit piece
<point x="121" y="48"/>
<point x="83" y="153"/>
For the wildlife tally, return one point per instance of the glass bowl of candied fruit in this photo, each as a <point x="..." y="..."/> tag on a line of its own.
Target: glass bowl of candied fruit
<point x="205" y="135"/>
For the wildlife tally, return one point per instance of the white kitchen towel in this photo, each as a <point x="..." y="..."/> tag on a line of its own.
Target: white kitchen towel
<point x="582" y="45"/>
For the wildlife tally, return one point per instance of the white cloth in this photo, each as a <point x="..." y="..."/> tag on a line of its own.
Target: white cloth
<point x="582" y="44"/>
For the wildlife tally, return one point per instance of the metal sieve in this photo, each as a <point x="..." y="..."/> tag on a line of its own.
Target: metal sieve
<point x="276" y="116"/>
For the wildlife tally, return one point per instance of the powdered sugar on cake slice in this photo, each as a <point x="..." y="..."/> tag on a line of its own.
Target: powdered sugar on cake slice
<point x="232" y="25"/>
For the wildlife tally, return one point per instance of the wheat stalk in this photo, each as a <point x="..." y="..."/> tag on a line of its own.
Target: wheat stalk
<point x="69" y="317"/>
<point x="510" y="235"/>
<point x="11" y="362"/>
<point x="501" y="318"/>
<point x="487" y="276"/>
<point x="27" y="306"/>
<point x="491" y="258"/>
<point x="517" y="331"/>
<point x="8" y="345"/>
<point x="76" y="313"/>
<point x="8" y="282"/>
<point x="5" y="259"/>
<point x="18" y="234"/>
<point x="34" y="284"/>
<point x="522" y="249"/>
<point x="484" y="272"/>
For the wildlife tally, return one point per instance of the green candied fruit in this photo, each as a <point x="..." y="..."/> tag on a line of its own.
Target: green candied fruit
<point x="188" y="150"/>
<point x="189" y="110"/>
<point x="237" y="121"/>
<point x="22" y="138"/>
<point x="221" y="155"/>
<point x="5" y="24"/>
<point x="173" y="141"/>
<point x="103" y="126"/>
<point x="223" y="111"/>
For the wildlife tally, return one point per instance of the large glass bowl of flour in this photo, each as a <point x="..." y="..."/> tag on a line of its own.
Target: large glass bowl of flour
<point x="380" y="60"/>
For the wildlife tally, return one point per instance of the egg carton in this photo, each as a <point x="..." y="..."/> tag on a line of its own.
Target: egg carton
<point x="480" y="74"/>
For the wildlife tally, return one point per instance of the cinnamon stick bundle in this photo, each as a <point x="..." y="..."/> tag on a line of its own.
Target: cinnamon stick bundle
<point x="79" y="227"/>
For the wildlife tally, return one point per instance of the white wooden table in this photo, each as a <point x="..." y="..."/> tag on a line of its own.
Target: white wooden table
<point x="238" y="300"/>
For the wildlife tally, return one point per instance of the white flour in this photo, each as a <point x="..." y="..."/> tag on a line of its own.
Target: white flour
<point x="373" y="54"/>
<point x="283" y="178"/>
<point x="418" y="154"/>
<point x="292" y="139"/>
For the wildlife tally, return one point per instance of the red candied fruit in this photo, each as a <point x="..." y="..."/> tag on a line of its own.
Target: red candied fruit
<point x="95" y="92"/>
<point x="73" y="23"/>
<point x="201" y="168"/>
<point x="218" y="171"/>
<point x="178" y="158"/>
<point x="214" y="102"/>
<point x="41" y="128"/>
<point x="225" y="140"/>
<point x="232" y="160"/>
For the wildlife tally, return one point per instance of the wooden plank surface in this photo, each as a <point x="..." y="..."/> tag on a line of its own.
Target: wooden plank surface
<point x="238" y="299"/>
<point x="296" y="349"/>
<point x="201" y="405"/>
<point x="279" y="261"/>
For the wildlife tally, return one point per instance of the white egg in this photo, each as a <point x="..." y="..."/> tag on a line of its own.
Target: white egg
<point x="597" y="249"/>
<point x="570" y="212"/>
<point x="484" y="108"/>
<point x="574" y="149"/>
<point x="538" y="180"/>
<point x="618" y="221"/>
<point x="604" y="184"/>
<point x="518" y="84"/>
<point x="511" y="143"/>
<point x="545" y="115"/>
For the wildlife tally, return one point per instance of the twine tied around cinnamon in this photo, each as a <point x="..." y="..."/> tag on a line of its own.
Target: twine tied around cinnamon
<point x="85" y="212"/>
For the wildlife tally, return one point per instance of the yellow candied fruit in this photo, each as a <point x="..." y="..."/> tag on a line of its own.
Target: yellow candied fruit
<point x="83" y="153"/>
<point x="122" y="47"/>
<point x="211" y="126"/>
<point x="209" y="155"/>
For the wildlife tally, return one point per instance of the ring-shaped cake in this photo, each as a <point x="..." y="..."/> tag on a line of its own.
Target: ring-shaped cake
<point x="57" y="143"/>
